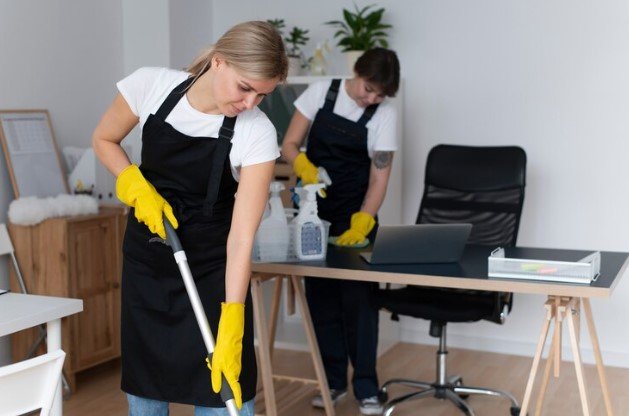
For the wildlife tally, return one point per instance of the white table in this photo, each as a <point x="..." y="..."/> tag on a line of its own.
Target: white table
<point x="18" y="312"/>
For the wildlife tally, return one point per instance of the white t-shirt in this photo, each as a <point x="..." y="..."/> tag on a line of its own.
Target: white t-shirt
<point x="254" y="140"/>
<point x="381" y="129"/>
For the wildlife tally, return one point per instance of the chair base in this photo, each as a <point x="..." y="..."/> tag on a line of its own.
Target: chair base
<point x="450" y="388"/>
<point x="453" y="390"/>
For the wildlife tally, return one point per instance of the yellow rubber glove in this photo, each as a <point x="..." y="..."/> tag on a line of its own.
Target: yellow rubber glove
<point x="133" y="189"/>
<point x="361" y="224"/>
<point x="226" y="359"/>
<point x="305" y="170"/>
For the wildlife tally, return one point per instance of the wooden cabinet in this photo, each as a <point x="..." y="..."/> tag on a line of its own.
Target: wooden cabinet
<point x="77" y="257"/>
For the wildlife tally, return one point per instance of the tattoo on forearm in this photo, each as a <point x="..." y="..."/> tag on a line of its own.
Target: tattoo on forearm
<point x="382" y="160"/>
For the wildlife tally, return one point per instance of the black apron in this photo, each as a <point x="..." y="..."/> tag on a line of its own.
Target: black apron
<point x="163" y="354"/>
<point x="340" y="146"/>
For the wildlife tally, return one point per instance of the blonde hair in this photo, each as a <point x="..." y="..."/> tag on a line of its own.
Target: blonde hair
<point x="254" y="48"/>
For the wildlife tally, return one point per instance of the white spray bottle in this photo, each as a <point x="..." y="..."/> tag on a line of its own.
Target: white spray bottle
<point x="272" y="238"/>
<point x="309" y="241"/>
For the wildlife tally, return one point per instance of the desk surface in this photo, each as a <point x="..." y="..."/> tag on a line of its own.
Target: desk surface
<point x="18" y="311"/>
<point x="469" y="273"/>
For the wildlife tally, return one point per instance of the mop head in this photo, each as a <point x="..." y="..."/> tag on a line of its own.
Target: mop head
<point x="332" y="240"/>
<point x="32" y="210"/>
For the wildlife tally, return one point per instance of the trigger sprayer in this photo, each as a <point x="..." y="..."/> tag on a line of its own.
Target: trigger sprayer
<point x="309" y="230"/>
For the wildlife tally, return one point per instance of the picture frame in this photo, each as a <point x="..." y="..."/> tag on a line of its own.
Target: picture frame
<point x="31" y="153"/>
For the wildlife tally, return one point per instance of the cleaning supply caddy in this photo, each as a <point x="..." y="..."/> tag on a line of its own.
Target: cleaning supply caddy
<point x="282" y="236"/>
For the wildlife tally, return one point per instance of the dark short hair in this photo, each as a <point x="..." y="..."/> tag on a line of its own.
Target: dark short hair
<point x="380" y="66"/>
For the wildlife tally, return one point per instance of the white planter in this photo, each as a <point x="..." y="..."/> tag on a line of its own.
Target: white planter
<point x="294" y="66"/>
<point x="350" y="58"/>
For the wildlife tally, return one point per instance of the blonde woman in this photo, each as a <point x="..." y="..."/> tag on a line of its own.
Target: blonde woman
<point x="207" y="161"/>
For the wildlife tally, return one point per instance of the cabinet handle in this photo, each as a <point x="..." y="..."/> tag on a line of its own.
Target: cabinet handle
<point x="115" y="285"/>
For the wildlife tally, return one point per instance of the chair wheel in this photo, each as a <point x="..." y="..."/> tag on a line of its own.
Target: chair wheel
<point x="459" y="383"/>
<point x="515" y="411"/>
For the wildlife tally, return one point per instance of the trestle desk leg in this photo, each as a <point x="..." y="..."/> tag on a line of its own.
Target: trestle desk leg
<point x="589" y="319"/>
<point x="549" y="365"/>
<point x="576" y="353"/>
<point x="538" y="355"/>
<point x="314" y="346"/>
<point x="264" y="355"/>
<point x="275" y="308"/>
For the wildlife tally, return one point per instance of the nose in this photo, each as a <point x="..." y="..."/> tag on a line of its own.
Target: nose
<point x="250" y="100"/>
<point x="372" y="98"/>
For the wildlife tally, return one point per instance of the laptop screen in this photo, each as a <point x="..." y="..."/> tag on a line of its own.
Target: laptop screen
<point x="420" y="243"/>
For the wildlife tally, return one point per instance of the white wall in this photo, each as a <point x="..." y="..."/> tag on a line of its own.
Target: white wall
<point x="63" y="56"/>
<point x="550" y="77"/>
<point x="190" y="30"/>
<point x="168" y="33"/>
<point x="547" y="76"/>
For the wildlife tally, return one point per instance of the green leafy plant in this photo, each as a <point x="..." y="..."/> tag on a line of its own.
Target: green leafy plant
<point x="278" y="24"/>
<point x="295" y="40"/>
<point x="361" y="30"/>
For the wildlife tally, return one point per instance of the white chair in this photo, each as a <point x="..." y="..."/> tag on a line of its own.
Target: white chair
<point x="31" y="384"/>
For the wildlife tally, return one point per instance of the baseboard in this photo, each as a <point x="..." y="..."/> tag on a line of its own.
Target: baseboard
<point x="506" y="346"/>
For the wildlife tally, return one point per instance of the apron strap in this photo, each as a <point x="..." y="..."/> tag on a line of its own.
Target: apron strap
<point x="369" y="111"/>
<point x="173" y="98"/>
<point x="330" y="97"/>
<point x="221" y="155"/>
<point x="330" y="100"/>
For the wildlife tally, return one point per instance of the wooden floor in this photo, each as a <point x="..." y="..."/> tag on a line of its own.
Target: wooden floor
<point x="99" y="392"/>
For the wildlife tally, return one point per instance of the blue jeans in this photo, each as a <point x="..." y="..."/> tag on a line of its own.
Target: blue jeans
<point x="139" y="406"/>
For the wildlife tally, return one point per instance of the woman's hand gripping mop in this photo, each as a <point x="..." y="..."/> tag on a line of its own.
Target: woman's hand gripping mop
<point x="180" y="257"/>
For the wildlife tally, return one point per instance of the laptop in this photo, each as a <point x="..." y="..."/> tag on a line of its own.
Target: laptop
<point x="419" y="243"/>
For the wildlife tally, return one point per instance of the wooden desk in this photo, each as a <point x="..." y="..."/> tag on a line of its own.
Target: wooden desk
<point x="563" y="302"/>
<point x="18" y="312"/>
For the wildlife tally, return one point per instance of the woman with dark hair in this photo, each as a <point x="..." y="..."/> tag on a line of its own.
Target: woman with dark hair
<point x="207" y="161"/>
<point x="351" y="130"/>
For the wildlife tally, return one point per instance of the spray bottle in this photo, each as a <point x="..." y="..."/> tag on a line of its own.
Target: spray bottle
<point x="310" y="242"/>
<point x="272" y="238"/>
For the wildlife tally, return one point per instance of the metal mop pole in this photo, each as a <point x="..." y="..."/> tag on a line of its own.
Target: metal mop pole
<point x="180" y="257"/>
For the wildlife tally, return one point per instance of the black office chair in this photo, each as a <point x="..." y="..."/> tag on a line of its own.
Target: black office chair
<point x="479" y="185"/>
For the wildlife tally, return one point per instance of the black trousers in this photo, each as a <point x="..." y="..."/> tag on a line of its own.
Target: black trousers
<point x="346" y="325"/>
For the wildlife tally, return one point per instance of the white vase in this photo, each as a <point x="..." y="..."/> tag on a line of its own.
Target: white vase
<point x="351" y="57"/>
<point x="294" y="66"/>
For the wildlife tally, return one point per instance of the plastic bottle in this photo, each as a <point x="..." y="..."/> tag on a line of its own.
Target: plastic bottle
<point x="272" y="238"/>
<point x="309" y="241"/>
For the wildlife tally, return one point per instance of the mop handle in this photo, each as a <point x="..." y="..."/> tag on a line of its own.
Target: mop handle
<point x="180" y="257"/>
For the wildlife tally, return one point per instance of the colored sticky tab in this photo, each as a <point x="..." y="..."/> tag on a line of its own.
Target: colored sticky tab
<point x="531" y="267"/>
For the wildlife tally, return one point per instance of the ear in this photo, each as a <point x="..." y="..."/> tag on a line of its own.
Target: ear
<point x="217" y="61"/>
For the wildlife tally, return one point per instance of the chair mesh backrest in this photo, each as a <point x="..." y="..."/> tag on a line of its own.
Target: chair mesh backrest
<point x="483" y="186"/>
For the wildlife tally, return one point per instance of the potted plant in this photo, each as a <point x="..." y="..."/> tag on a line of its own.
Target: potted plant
<point x="294" y="41"/>
<point x="361" y="30"/>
